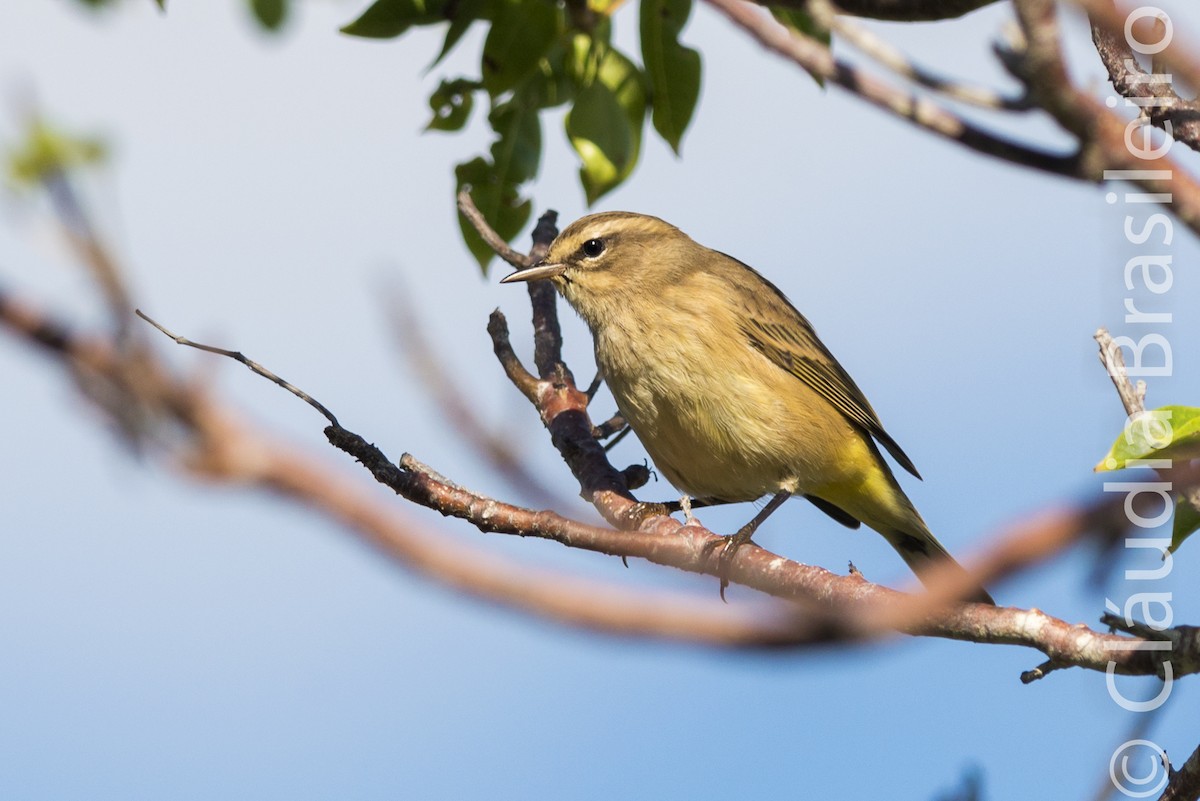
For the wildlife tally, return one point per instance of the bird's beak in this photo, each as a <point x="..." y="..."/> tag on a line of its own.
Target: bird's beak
<point x="534" y="273"/>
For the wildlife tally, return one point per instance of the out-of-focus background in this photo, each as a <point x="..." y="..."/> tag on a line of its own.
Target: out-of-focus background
<point x="267" y="192"/>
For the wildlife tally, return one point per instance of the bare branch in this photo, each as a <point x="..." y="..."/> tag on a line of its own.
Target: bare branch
<point x="1184" y="784"/>
<point x="1133" y="398"/>
<point x="1100" y="131"/>
<point x="468" y="209"/>
<point x="826" y="14"/>
<point x="815" y="57"/>
<point x="454" y="406"/>
<point x="1157" y="100"/>
<point x="254" y="366"/>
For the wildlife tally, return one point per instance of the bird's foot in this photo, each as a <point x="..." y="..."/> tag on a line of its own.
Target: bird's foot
<point x="728" y="546"/>
<point x="644" y="510"/>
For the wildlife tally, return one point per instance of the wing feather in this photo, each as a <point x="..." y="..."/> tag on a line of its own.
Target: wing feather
<point x="773" y="326"/>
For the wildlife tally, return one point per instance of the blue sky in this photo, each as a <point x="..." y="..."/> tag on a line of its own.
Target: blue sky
<point x="168" y="640"/>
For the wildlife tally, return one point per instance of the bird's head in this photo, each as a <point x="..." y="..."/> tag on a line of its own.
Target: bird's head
<point x="606" y="259"/>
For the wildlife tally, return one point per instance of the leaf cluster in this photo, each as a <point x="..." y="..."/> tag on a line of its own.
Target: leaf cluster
<point x="539" y="55"/>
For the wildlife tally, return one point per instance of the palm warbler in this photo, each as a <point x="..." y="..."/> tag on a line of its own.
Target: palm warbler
<point x="726" y="384"/>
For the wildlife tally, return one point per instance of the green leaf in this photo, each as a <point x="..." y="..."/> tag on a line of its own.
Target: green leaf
<point x="523" y="32"/>
<point x="502" y="206"/>
<point x="162" y="4"/>
<point x="458" y="27"/>
<point x="386" y="19"/>
<point x="517" y="151"/>
<point x="599" y="132"/>
<point x="1166" y="433"/>
<point x="451" y="103"/>
<point x="1187" y="520"/>
<point x="462" y="14"/>
<point x="802" y="23"/>
<point x="269" y="13"/>
<point x="605" y="124"/>
<point x="673" y="70"/>
<point x="552" y="82"/>
<point x="47" y="153"/>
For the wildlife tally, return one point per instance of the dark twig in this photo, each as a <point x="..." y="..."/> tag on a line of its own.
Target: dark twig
<point x="521" y="378"/>
<point x="547" y="336"/>
<point x="254" y="366"/>
<point x="1040" y="672"/>
<point x="899" y="10"/>
<point x="1156" y="100"/>
<point x="612" y="425"/>
<point x="1184" y="784"/>
<point x="612" y="443"/>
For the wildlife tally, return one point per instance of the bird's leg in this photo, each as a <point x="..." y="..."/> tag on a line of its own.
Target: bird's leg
<point x="644" y="510"/>
<point x="732" y="542"/>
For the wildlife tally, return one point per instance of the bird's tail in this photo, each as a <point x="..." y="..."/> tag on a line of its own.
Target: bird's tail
<point x="877" y="499"/>
<point x="921" y="551"/>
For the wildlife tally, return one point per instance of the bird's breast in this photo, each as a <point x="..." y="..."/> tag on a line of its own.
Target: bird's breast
<point x="718" y="419"/>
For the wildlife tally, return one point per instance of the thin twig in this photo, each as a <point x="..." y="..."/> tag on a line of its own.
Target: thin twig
<point x="254" y="366"/>
<point x="468" y="209"/>
<point x="826" y="14"/>
<point x="816" y="58"/>
<point x="1133" y="397"/>
<point x="521" y="378"/>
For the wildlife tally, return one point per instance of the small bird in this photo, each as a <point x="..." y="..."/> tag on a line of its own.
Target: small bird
<point x="726" y="384"/>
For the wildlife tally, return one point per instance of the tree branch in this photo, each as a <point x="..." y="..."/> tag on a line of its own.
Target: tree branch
<point x="899" y="10"/>
<point x="1184" y="784"/>
<point x="816" y="58"/>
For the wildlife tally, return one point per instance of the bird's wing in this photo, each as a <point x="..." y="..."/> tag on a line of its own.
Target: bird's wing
<point x="774" y="327"/>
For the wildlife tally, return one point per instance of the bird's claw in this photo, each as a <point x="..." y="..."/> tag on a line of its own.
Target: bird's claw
<point x="642" y="511"/>
<point x="729" y="546"/>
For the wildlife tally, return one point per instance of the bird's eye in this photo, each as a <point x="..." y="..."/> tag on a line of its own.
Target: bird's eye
<point x="593" y="248"/>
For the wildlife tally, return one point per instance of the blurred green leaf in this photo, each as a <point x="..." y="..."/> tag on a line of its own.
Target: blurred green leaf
<point x="162" y="4"/>
<point x="47" y="153"/>
<point x="451" y="103"/>
<point x="500" y="203"/>
<point x="801" y="22"/>
<point x="1165" y="433"/>
<point x="599" y="132"/>
<point x="1187" y="520"/>
<point x="386" y="19"/>
<point x="270" y="13"/>
<point x="521" y="35"/>
<point x="552" y="82"/>
<point x="605" y="122"/>
<point x="672" y="69"/>
<point x="462" y="14"/>
<point x="518" y="150"/>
